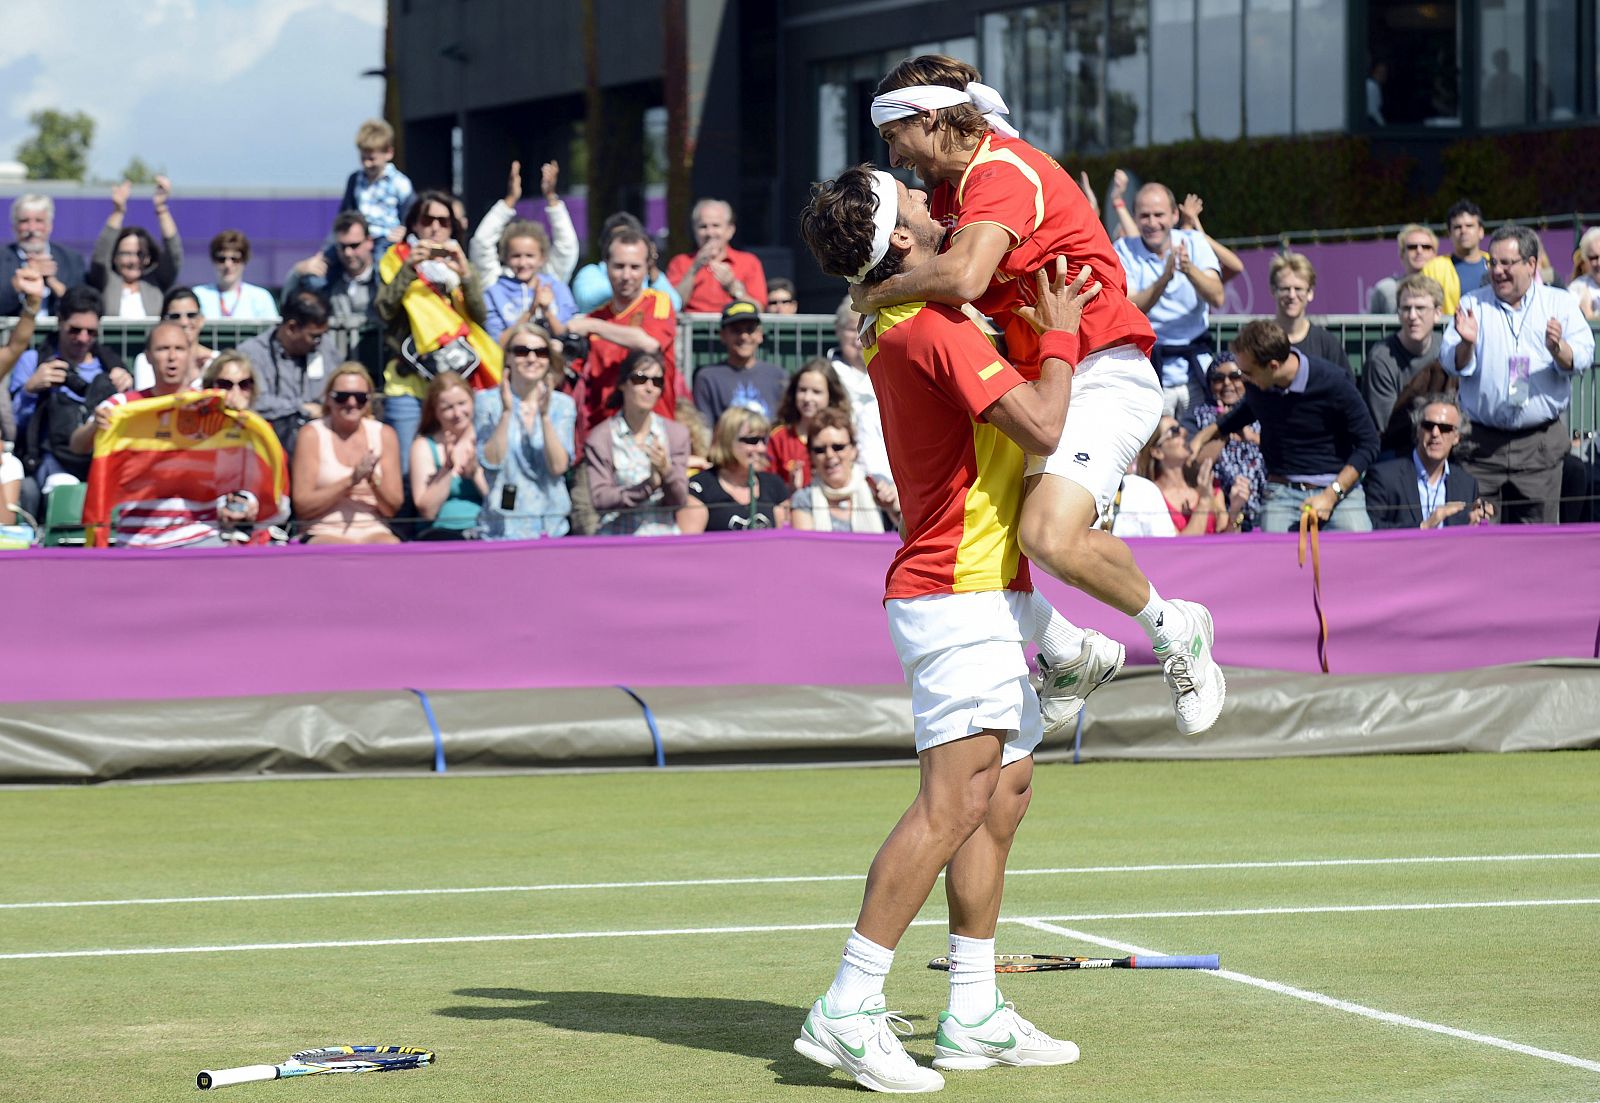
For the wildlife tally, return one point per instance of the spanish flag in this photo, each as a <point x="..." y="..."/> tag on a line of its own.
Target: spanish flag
<point x="163" y="466"/>
<point x="437" y="319"/>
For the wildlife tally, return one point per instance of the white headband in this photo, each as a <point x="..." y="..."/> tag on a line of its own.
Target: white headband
<point x="884" y="220"/>
<point x="904" y="102"/>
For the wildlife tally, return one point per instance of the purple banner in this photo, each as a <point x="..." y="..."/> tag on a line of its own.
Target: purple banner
<point x="1347" y="272"/>
<point x="780" y="608"/>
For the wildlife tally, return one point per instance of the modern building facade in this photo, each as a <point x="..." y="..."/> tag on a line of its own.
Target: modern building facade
<point x="778" y="89"/>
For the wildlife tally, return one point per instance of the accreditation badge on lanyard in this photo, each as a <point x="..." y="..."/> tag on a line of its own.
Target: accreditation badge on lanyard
<point x="1519" y="364"/>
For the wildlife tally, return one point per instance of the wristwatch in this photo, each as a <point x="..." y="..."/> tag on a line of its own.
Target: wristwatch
<point x="1338" y="491"/>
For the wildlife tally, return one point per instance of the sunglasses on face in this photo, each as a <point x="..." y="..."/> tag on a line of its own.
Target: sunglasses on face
<point x="351" y="246"/>
<point x="824" y="449"/>
<point x="227" y="258"/>
<point x="1171" y="431"/>
<point x="752" y="440"/>
<point x="541" y="351"/>
<point x="181" y="315"/>
<point x="645" y="379"/>
<point x="1220" y="376"/>
<point x="1442" y="427"/>
<point x="230" y="384"/>
<point x="341" y="398"/>
<point x="434" y="220"/>
<point x="1413" y="246"/>
<point x="84" y="331"/>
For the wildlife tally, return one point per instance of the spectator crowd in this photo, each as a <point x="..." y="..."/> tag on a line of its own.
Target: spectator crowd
<point x="522" y="396"/>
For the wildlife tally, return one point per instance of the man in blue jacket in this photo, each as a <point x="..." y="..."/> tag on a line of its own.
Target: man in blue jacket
<point x="1422" y="490"/>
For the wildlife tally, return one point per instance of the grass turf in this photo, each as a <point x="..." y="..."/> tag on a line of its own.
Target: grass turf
<point x="710" y="1016"/>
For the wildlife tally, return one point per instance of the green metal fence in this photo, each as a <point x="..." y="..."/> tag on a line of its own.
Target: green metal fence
<point x="793" y="339"/>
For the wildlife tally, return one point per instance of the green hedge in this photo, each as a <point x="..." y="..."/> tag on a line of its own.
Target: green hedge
<point x="1266" y="186"/>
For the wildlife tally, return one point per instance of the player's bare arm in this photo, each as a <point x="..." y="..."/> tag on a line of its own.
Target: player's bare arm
<point x="1033" y="414"/>
<point x="955" y="277"/>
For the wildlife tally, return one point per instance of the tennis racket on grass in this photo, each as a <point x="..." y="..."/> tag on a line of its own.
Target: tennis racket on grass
<point x="1046" y="963"/>
<point x="316" y="1062"/>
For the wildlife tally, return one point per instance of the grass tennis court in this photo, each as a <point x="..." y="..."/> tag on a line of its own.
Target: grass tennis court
<point x="591" y="979"/>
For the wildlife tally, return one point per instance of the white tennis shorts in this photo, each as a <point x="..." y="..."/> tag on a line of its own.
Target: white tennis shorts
<point x="962" y="654"/>
<point x="1115" y="408"/>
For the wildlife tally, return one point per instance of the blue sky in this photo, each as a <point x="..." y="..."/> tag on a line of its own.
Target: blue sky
<point x="248" y="93"/>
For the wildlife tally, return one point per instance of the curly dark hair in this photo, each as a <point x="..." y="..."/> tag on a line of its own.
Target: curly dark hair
<point x="837" y="226"/>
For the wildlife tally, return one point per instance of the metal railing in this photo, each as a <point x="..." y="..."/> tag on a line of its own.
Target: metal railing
<point x="1577" y="220"/>
<point x="791" y="340"/>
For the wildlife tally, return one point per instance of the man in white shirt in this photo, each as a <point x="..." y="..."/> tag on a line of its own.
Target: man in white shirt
<point x="1516" y="345"/>
<point x="1174" y="276"/>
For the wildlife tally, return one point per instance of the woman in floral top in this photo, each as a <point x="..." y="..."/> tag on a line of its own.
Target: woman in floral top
<point x="1241" y="455"/>
<point x="636" y="460"/>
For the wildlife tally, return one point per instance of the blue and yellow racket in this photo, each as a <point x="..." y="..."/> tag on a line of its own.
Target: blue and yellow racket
<point x="317" y="1062"/>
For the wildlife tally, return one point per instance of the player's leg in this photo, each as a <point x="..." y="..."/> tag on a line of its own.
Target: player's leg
<point x="979" y="1029"/>
<point x="850" y="1027"/>
<point x="1115" y="407"/>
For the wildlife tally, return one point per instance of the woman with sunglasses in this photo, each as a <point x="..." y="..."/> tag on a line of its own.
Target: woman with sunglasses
<point x="230" y="296"/>
<point x="1189" y="490"/>
<point x="431" y="252"/>
<point x="180" y="306"/>
<point x="737" y="493"/>
<point x="346" y="476"/>
<point x="812" y="389"/>
<point x="127" y="265"/>
<point x="448" y="483"/>
<point x="525" y="431"/>
<point x="1238" y="456"/>
<point x="234" y="375"/>
<point x="636" y="460"/>
<point x="840" y="498"/>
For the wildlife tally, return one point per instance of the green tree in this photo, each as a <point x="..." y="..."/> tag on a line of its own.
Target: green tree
<point x="138" y="172"/>
<point x="60" y="150"/>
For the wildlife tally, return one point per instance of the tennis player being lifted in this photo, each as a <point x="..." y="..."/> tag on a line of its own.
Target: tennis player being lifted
<point x="957" y="419"/>
<point x="1011" y="209"/>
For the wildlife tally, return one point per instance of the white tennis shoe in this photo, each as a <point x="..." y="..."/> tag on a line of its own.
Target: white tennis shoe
<point x="865" y="1045"/>
<point x="1198" y="687"/>
<point x="1001" y="1038"/>
<point x="1063" y="689"/>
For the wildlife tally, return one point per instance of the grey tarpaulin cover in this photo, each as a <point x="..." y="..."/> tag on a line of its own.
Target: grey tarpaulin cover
<point x="1548" y="705"/>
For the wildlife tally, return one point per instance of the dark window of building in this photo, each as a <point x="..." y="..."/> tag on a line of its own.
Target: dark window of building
<point x="1127" y="81"/>
<point x="1023" y="50"/>
<point x="1414" y="63"/>
<point x="1172" y="71"/>
<point x="1319" y="66"/>
<point x="1556" y="70"/>
<point x="1503" y="74"/>
<point x="1269" y="46"/>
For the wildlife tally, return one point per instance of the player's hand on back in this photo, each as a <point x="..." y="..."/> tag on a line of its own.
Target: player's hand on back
<point x="1060" y="304"/>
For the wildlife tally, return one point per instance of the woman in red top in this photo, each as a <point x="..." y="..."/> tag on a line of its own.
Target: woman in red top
<point x="812" y="389"/>
<point x="1193" y="499"/>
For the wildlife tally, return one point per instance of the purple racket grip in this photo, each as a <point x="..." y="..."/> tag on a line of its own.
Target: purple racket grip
<point x="1191" y="961"/>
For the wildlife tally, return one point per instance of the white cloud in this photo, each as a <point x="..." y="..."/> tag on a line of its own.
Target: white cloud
<point x="239" y="92"/>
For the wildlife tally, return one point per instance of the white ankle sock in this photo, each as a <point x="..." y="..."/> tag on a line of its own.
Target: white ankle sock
<point x="973" y="995"/>
<point x="861" y="974"/>
<point x="1060" y="641"/>
<point x="1160" y="622"/>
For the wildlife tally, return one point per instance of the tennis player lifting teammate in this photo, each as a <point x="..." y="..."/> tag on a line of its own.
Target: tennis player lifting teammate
<point x="1011" y="210"/>
<point x="957" y="419"/>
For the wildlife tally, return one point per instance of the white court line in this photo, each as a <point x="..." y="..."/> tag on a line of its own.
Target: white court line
<point x="1329" y="1001"/>
<point x="557" y="936"/>
<point x="576" y="886"/>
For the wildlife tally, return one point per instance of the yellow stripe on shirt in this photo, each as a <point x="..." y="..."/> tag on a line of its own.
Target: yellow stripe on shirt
<point x="987" y="556"/>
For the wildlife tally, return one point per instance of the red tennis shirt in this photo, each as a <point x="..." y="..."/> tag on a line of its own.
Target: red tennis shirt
<point x="959" y="478"/>
<point x="1029" y="196"/>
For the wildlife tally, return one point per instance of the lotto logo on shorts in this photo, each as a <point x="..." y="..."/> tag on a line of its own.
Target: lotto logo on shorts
<point x="1081" y="458"/>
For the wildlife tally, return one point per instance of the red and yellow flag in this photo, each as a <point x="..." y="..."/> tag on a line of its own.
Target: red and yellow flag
<point x="172" y="457"/>
<point x="438" y="319"/>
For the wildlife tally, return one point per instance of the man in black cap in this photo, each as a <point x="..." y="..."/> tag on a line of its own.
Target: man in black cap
<point x="741" y="380"/>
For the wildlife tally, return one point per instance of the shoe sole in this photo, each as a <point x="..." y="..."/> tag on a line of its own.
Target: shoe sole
<point x="805" y="1047"/>
<point x="967" y="1062"/>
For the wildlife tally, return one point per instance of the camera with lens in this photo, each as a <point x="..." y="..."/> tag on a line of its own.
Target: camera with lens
<point x="75" y="383"/>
